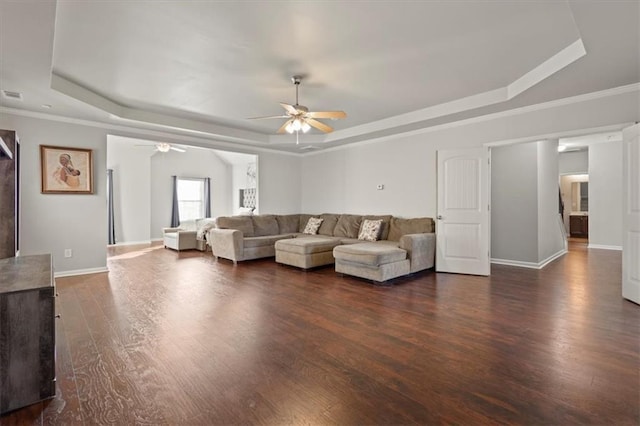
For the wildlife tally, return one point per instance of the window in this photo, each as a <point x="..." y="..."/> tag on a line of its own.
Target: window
<point x="190" y="198"/>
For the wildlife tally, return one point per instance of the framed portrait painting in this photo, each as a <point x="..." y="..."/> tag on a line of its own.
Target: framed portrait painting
<point x="66" y="170"/>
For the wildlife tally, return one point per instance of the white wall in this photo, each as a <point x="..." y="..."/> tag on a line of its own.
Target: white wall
<point x="605" y="194"/>
<point x="514" y="203"/>
<point x="131" y="188"/>
<point x="196" y="163"/>
<point x="238" y="182"/>
<point x="576" y="162"/>
<point x="550" y="237"/>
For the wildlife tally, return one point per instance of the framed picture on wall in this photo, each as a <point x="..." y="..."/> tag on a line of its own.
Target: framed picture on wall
<point x="66" y="170"/>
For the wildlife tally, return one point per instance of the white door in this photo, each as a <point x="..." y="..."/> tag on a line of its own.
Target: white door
<point x="462" y="243"/>
<point x="631" y="219"/>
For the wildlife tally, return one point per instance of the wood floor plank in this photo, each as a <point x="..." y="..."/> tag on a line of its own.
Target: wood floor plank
<point x="179" y="338"/>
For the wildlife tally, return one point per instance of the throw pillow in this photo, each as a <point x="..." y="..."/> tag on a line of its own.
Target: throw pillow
<point x="370" y="230"/>
<point x="312" y="226"/>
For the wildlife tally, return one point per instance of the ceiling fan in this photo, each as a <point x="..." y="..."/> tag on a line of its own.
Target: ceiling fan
<point x="300" y="118"/>
<point x="164" y="147"/>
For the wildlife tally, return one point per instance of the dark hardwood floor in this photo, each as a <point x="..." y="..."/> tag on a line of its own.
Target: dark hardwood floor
<point x="178" y="338"/>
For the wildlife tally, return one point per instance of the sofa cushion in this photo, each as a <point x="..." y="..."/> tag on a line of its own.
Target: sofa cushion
<point x="348" y="226"/>
<point x="329" y="221"/>
<point x="384" y="231"/>
<point x="372" y="254"/>
<point x="241" y="223"/>
<point x="370" y="230"/>
<point x="265" y="224"/>
<point x="266" y="240"/>
<point x="307" y="245"/>
<point x="399" y="227"/>
<point x="357" y="241"/>
<point x="288" y="224"/>
<point x="312" y="226"/>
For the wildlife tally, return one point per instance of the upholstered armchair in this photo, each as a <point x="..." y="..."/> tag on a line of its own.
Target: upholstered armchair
<point x="182" y="238"/>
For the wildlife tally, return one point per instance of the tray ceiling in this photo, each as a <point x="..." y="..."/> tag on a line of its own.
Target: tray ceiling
<point x="205" y="67"/>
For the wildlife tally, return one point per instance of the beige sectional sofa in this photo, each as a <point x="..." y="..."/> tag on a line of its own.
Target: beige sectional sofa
<point x="404" y="245"/>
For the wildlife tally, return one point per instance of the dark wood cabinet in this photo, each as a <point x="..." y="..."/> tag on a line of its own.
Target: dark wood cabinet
<point x="579" y="226"/>
<point x="27" y="331"/>
<point x="9" y="193"/>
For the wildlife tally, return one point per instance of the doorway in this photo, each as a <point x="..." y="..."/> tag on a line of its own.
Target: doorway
<point x="574" y="192"/>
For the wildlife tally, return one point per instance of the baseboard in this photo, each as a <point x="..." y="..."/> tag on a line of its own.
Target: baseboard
<point x="604" y="247"/>
<point x="80" y="272"/>
<point x="530" y="265"/>
<point x="131" y="243"/>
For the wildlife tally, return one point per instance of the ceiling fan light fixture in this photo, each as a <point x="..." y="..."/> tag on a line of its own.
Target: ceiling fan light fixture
<point x="163" y="147"/>
<point x="289" y="127"/>
<point x="305" y="127"/>
<point x="297" y="124"/>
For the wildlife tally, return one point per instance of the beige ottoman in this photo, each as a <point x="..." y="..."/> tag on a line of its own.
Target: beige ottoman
<point x="373" y="261"/>
<point x="306" y="252"/>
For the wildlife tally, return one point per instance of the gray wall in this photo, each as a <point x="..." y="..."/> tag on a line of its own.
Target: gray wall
<point x="131" y="189"/>
<point x="279" y="183"/>
<point x="550" y="237"/>
<point x="405" y="164"/>
<point x="344" y="179"/>
<point x="514" y="202"/>
<point x="51" y="223"/>
<point x="605" y="194"/>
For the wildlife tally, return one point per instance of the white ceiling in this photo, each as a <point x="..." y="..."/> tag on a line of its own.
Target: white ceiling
<point x="204" y="67"/>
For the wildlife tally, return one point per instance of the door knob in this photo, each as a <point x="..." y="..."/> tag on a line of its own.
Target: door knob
<point x="439" y="217"/>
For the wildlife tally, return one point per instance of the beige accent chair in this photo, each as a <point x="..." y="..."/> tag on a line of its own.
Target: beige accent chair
<point x="181" y="238"/>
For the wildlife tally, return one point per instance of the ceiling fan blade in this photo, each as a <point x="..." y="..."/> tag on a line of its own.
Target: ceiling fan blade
<point x="178" y="149"/>
<point x="318" y="125"/>
<point x="326" y="114"/>
<point x="284" y="126"/>
<point x="268" y="117"/>
<point x="289" y="108"/>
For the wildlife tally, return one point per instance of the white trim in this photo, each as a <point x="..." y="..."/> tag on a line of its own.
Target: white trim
<point x="336" y="136"/>
<point x="534" y="76"/>
<point x="155" y="135"/>
<point x="560" y="60"/>
<point x="530" y="265"/>
<point x="508" y="113"/>
<point x="130" y="243"/>
<point x="126" y="113"/>
<point x="603" y="247"/>
<point x="75" y="272"/>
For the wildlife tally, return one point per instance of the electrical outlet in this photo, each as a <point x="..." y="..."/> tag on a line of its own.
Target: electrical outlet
<point x="380" y="187"/>
<point x="68" y="253"/>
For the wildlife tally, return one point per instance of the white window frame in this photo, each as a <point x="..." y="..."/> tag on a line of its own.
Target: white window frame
<point x="183" y="199"/>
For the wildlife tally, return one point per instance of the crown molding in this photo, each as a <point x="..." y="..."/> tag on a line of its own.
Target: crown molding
<point x="634" y="87"/>
<point x="155" y="135"/>
<point x="215" y="143"/>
